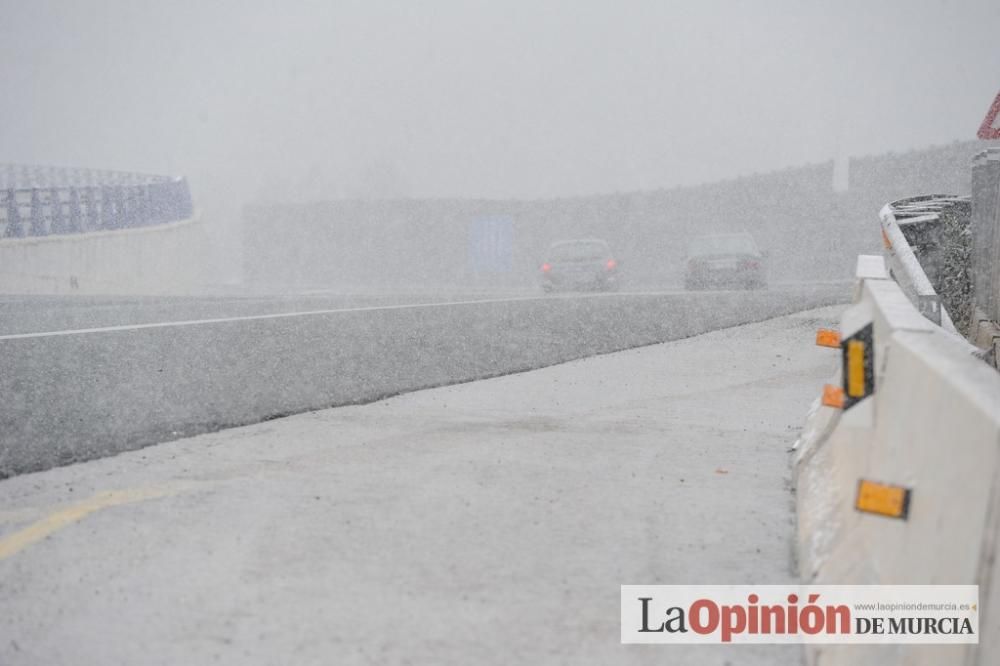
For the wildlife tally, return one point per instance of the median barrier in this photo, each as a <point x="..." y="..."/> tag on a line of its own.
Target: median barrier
<point x="902" y="485"/>
<point x="162" y="259"/>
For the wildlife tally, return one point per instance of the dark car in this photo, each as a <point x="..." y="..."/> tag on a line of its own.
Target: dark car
<point x="725" y="260"/>
<point x="580" y="264"/>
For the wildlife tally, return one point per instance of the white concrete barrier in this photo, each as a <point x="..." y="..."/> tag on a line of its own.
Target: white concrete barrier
<point x="928" y="420"/>
<point x="161" y="259"/>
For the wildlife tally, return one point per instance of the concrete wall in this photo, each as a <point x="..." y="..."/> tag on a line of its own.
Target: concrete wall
<point x="163" y="259"/>
<point x="812" y="232"/>
<point x="329" y="244"/>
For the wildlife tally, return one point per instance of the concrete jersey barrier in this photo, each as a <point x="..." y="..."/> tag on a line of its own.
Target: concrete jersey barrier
<point x="928" y="420"/>
<point x="162" y="259"/>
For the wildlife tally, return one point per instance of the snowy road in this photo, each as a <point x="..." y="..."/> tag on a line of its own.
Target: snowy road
<point x="129" y="372"/>
<point x="485" y="523"/>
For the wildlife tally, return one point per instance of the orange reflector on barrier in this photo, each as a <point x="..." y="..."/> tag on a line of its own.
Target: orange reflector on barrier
<point x="885" y="500"/>
<point x="833" y="396"/>
<point x="826" y="337"/>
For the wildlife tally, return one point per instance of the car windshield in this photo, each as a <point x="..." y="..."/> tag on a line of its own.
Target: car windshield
<point x="733" y="244"/>
<point x="577" y="251"/>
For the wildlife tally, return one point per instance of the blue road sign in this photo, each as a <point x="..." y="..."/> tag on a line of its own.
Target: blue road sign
<point x="491" y="244"/>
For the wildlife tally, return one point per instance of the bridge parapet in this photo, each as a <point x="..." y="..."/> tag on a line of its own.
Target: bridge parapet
<point x="46" y="201"/>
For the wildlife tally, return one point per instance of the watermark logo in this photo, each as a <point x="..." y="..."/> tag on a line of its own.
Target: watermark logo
<point x="756" y="614"/>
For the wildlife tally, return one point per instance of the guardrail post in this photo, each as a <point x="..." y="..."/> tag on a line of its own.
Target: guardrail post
<point x="127" y="206"/>
<point x="37" y="216"/>
<point x="57" y="221"/>
<point x="75" y="214"/>
<point x="14" y="227"/>
<point x="121" y="207"/>
<point x="108" y="213"/>
<point x="93" y="217"/>
<point x="184" y="196"/>
<point x="138" y="206"/>
<point x="142" y="204"/>
<point x="929" y="306"/>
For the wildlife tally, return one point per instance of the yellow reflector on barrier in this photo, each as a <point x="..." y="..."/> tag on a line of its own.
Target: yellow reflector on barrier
<point x="827" y="338"/>
<point x="885" y="500"/>
<point x="858" y="365"/>
<point x="856" y="368"/>
<point x="833" y="396"/>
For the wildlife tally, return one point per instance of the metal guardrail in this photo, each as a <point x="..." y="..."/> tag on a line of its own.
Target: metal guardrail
<point x="927" y="247"/>
<point x="43" y="201"/>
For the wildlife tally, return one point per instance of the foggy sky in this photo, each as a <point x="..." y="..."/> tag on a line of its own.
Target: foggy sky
<point x="270" y="100"/>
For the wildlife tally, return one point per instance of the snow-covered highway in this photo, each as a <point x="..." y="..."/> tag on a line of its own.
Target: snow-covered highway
<point x="484" y="523"/>
<point x="87" y="379"/>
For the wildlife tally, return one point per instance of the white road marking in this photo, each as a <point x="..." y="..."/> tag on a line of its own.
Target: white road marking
<point x="312" y="313"/>
<point x="375" y="308"/>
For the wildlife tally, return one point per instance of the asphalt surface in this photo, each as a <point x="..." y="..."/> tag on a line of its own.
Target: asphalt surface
<point x="81" y="379"/>
<point x="490" y="523"/>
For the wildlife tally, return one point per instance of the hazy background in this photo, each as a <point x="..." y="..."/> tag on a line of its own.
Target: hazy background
<point x="261" y="100"/>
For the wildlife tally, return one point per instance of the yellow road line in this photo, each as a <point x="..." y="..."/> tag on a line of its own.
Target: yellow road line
<point x="17" y="515"/>
<point x="18" y="541"/>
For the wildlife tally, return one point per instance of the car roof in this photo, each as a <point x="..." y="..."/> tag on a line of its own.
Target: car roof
<point x="711" y="243"/>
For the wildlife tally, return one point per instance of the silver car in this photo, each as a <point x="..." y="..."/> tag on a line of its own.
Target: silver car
<point x="725" y="260"/>
<point x="580" y="264"/>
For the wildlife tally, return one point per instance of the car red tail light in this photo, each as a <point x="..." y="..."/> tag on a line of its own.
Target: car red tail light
<point x="752" y="265"/>
<point x="546" y="268"/>
<point x="611" y="264"/>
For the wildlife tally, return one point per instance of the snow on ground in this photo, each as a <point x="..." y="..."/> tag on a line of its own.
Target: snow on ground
<point x="485" y="523"/>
